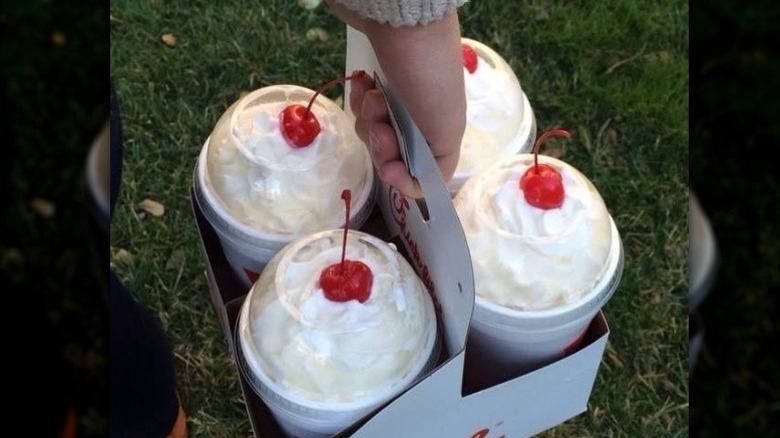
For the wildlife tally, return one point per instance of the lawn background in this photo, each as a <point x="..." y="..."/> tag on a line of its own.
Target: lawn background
<point x="615" y="73"/>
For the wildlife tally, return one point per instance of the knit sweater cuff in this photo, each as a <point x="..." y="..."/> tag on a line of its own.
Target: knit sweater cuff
<point x="403" y="12"/>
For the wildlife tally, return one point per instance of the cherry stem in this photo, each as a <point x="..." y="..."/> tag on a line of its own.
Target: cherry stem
<point x="554" y="132"/>
<point x="346" y="195"/>
<point x="326" y="85"/>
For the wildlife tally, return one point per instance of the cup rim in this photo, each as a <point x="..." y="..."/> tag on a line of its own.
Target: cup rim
<point x="100" y="144"/>
<point x="599" y="294"/>
<point x="701" y="272"/>
<point x="217" y="214"/>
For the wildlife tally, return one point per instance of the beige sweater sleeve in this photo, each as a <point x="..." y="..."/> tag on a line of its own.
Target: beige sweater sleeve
<point x="402" y="12"/>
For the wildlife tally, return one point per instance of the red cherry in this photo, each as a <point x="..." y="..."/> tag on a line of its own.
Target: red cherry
<point x="469" y="57"/>
<point x="543" y="187"/>
<point x="298" y="123"/>
<point x="348" y="279"/>
<point x="541" y="184"/>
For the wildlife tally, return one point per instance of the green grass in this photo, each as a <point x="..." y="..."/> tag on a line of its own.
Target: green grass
<point x="614" y="72"/>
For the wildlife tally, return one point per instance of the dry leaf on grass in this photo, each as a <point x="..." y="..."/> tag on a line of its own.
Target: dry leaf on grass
<point x="613" y="135"/>
<point x="662" y="56"/>
<point x="309" y="4"/>
<point x="175" y="260"/>
<point x="152" y="207"/>
<point x="254" y="77"/>
<point x="121" y="256"/>
<point x="317" y="34"/>
<point x="58" y="39"/>
<point x="543" y="15"/>
<point x="613" y="356"/>
<point x="43" y="207"/>
<point x="11" y="256"/>
<point x="168" y="39"/>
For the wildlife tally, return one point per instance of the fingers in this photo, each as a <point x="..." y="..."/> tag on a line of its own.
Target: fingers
<point x="448" y="162"/>
<point x="358" y="87"/>
<point x="372" y="110"/>
<point x="386" y="155"/>
<point x="395" y="174"/>
<point x="372" y="125"/>
<point x="424" y="66"/>
<point x="383" y="144"/>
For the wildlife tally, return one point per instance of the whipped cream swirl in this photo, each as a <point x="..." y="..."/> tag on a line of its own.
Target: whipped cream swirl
<point x="270" y="186"/>
<point x="527" y="258"/>
<point x="326" y="351"/>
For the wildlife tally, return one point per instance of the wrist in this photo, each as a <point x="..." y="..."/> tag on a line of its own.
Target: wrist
<point x="398" y="13"/>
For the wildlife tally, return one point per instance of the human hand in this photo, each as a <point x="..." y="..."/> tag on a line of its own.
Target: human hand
<point x="423" y="64"/>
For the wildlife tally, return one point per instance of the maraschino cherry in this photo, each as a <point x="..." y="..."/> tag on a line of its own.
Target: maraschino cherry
<point x="348" y="279"/>
<point x="469" y="57"/>
<point x="541" y="184"/>
<point x="298" y="123"/>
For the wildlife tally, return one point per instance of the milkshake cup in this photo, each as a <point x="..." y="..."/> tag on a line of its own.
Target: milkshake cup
<point x="499" y="118"/>
<point x="260" y="193"/>
<point x="702" y="270"/>
<point x="319" y="364"/>
<point x="97" y="176"/>
<point x="702" y="256"/>
<point x="97" y="198"/>
<point x="540" y="275"/>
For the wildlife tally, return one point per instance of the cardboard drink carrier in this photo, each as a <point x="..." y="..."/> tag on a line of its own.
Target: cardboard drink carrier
<point x="456" y="398"/>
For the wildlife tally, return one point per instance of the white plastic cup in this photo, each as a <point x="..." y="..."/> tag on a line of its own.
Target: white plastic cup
<point x="522" y="140"/>
<point x="702" y="254"/>
<point x="702" y="269"/>
<point x="306" y="418"/>
<point x="248" y="249"/>
<point x="98" y="170"/>
<point x="505" y="341"/>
